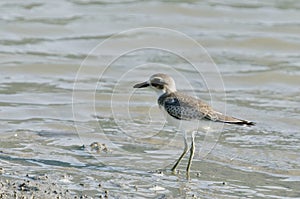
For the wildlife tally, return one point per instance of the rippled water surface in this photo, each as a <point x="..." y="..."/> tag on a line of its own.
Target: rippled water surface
<point x="52" y="110"/>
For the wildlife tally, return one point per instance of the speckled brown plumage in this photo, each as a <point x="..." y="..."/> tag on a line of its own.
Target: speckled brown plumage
<point x="184" y="107"/>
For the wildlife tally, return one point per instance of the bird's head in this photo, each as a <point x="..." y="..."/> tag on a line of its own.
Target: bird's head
<point x="161" y="83"/>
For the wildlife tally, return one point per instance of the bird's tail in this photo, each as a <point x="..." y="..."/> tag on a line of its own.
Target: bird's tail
<point x="239" y="122"/>
<point x="231" y="120"/>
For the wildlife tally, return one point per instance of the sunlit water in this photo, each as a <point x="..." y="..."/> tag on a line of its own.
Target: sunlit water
<point x="255" y="45"/>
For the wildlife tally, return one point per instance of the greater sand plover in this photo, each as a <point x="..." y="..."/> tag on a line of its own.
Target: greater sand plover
<point x="181" y="107"/>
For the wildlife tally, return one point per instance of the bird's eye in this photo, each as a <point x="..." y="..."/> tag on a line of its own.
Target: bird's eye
<point x="158" y="86"/>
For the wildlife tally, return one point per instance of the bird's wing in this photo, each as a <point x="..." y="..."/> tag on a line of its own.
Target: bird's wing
<point x="184" y="107"/>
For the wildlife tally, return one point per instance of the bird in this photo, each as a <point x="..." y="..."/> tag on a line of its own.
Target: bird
<point x="178" y="107"/>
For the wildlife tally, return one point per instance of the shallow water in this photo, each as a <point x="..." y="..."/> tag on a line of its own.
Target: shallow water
<point x="59" y="94"/>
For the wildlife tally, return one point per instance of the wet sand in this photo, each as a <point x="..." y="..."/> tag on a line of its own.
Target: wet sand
<point x="28" y="187"/>
<point x="33" y="186"/>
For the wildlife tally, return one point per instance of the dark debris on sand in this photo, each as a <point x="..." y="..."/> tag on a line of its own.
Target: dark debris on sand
<point x="37" y="187"/>
<point x="30" y="189"/>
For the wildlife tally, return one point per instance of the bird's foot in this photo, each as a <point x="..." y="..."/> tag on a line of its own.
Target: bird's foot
<point x="174" y="171"/>
<point x="188" y="177"/>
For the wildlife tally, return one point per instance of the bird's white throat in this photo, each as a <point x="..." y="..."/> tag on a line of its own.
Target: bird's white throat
<point x="159" y="92"/>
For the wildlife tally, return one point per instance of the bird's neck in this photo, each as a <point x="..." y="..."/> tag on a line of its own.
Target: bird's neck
<point x="164" y="92"/>
<point x="160" y="92"/>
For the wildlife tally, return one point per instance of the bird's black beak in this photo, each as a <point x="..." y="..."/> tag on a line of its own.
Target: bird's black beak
<point x="141" y="85"/>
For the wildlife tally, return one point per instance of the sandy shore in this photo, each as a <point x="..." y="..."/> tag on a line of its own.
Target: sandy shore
<point x="32" y="188"/>
<point x="41" y="187"/>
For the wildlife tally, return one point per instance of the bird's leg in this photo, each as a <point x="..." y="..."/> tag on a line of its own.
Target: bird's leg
<point x="182" y="155"/>
<point x="192" y="152"/>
